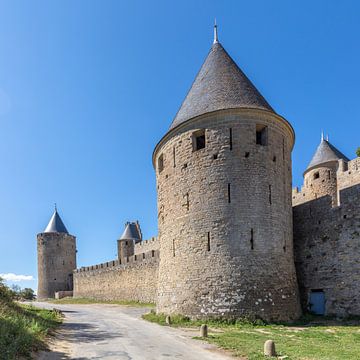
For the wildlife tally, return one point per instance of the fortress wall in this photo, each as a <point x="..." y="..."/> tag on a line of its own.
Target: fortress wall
<point x="147" y="245"/>
<point x="327" y="182"/>
<point x="327" y="247"/>
<point x="135" y="280"/>
<point x="351" y="176"/>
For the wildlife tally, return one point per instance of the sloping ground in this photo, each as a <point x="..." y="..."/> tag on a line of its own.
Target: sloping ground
<point x="22" y="327"/>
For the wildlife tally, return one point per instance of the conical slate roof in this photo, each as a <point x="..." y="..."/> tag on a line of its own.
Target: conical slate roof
<point x="56" y="225"/>
<point x="220" y="84"/>
<point x="132" y="231"/>
<point x="325" y="152"/>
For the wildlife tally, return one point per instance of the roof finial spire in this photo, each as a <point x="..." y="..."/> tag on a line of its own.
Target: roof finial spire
<point x="55" y="207"/>
<point x="327" y="137"/>
<point x="322" y="135"/>
<point x="215" y="33"/>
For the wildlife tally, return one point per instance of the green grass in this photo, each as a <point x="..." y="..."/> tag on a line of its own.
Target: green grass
<point x="23" y="328"/>
<point x="310" y="339"/>
<point x="70" y="300"/>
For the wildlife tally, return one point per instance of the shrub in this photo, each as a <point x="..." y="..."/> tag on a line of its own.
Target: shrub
<point x="358" y="151"/>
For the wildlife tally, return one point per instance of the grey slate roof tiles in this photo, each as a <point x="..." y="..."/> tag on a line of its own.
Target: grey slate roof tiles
<point x="325" y="152"/>
<point x="132" y="231"/>
<point x="56" y="225"/>
<point x="220" y="84"/>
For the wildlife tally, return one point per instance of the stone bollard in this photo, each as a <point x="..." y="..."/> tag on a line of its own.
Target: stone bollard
<point x="203" y="330"/>
<point x="269" y="348"/>
<point x="168" y="320"/>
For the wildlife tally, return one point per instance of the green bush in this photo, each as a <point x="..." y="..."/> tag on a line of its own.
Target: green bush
<point x="358" y="151"/>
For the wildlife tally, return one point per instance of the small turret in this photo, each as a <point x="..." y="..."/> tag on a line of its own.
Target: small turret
<point x="126" y="244"/>
<point x="320" y="177"/>
<point x="56" y="258"/>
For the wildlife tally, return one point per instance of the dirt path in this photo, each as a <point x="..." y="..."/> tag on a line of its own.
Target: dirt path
<point x="118" y="332"/>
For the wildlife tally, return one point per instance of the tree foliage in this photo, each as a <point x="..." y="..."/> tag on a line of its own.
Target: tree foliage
<point x="358" y="151"/>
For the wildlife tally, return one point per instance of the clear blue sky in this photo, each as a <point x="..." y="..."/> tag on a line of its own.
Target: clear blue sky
<point x="87" y="88"/>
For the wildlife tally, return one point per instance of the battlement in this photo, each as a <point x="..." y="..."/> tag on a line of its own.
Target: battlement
<point x="147" y="245"/>
<point x="152" y="255"/>
<point x="347" y="175"/>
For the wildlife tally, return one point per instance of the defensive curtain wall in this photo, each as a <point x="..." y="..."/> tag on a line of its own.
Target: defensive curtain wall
<point x="133" y="278"/>
<point x="327" y="244"/>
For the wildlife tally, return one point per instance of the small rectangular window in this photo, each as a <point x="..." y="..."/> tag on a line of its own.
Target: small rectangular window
<point x="174" y="159"/>
<point x="252" y="239"/>
<point x="261" y="135"/>
<point x="208" y="241"/>
<point x="161" y="163"/>
<point x="316" y="175"/>
<point x="199" y="140"/>
<point x="229" y="193"/>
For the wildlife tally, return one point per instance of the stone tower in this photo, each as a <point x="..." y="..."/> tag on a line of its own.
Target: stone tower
<point x="320" y="177"/>
<point x="56" y="250"/>
<point x="128" y="239"/>
<point x="223" y="175"/>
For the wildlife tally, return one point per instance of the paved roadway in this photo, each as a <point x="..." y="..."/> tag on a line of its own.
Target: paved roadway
<point x="118" y="332"/>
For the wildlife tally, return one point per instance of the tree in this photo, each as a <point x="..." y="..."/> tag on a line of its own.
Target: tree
<point x="27" y="294"/>
<point x="358" y="151"/>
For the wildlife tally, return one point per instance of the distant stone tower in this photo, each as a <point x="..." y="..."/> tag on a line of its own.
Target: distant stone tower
<point x="320" y="177"/>
<point x="128" y="239"/>
<point x="56" y="250"/>
<point x="224" y="201"/>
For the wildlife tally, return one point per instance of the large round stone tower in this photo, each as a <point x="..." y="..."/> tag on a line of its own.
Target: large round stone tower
<point x="224" y="201"/>
<point x="56" y="250"/>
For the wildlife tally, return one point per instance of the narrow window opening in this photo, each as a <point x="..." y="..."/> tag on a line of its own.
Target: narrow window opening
<point x="135" y="257"/>
<point x="152" y="253"/>
<point x="316" y="175"/>
<point x="208" y="241"/>
<point x="229" y="193"/>
<point x="274" y="159"/>
<point x="284" y="247"/>
<point x="187" y="201"/>
<point x="261" y="135"/>
<point x="230" y="139"/>
<point x="174" y="158"/>
<point x="126" y="243"/>
<point x="215" y="156"/>
<point x="143" y="255"/>
<point x="161" y="163"/>
<point x="329" y="174"/>
<point x="247" y="154"/>
<point x="173" y="248"/>
<point x="185" y="166"/>
<point x="345" y="216"/>
<point x="199" y="140"/>
<point x="270" y="197"/>
<point x="252" y="239"/>
<point x="283" y="149"/>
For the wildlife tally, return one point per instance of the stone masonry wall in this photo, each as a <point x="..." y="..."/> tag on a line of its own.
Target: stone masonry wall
<point x="135" y="279"/>
<point x="56" y="262"/>
<point x="327" y="247"/>
<point x="146" y="245"/>
<point x="225" y="224"/>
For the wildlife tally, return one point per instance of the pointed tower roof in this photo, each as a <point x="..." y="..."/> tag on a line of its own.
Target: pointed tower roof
<point x="325" y="153"/>
<point x="220" y="84"/>
<point x="132" y="231"/>
<point x="55" y="224"/>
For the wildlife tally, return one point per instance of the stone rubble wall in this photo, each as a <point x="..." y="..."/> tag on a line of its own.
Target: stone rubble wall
<point x="134" y="280"/>
<point x="327" y="248"/>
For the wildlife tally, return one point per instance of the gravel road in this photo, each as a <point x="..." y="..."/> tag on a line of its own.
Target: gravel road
<point x="118" y="332"/>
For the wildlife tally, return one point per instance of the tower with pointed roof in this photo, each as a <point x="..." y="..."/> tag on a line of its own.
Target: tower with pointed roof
<point x="223" y="175"/>
<point x="56" y="250"/>
<point x="320" y="177"/>
<point x="126" y="244"/>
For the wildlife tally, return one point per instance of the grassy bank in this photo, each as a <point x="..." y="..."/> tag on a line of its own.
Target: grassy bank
<point x="70" y="300"/>
<point x="23" y="328"/>
<point x="312" y="339"/>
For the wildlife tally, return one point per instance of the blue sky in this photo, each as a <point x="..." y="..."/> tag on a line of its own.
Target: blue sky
<point x="87" y="88"/>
